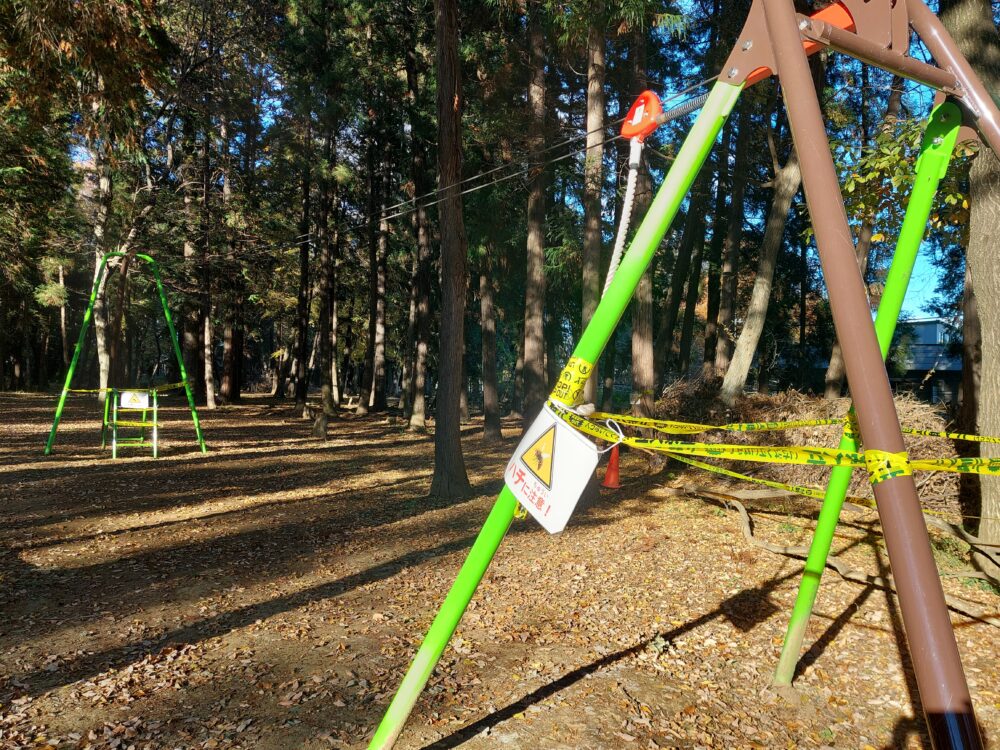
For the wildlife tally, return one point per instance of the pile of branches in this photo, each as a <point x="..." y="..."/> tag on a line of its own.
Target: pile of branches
<point x="696" y="401"/>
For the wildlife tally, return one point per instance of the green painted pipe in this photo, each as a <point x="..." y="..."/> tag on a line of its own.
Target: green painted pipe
<point x="612" y="306"/>
<point x="80" y="340"/>
<point x="935" y="154"/>
<point x="177" y="353"/>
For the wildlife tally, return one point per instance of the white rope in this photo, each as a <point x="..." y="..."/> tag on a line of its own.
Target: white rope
<point x="635" y="154"/>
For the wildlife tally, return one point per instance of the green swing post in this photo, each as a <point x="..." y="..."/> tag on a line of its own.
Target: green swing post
<point x="104" y="424"/>
<point x="613" y="304"/>
<point x="935" y="154"/>
<point x="177" y="352"/>
<point x="80" y="340"/>
<point x="87" y="316"/>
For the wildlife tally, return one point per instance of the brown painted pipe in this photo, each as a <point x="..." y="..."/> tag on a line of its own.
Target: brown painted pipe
<point x="976" y="99"/>
<point x="944" y="692"/>
<point x="869" y="52"/>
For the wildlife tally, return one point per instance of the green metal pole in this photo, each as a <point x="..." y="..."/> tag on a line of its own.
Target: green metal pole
<point x="935" y="154"/>
<point x="177" y="351"/>
<point x="675" y="186"/>
<point x="80" y="340"/>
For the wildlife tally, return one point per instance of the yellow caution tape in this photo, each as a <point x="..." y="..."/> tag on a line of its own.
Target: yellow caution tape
<point x="168" y="387"/>
<point x="881" y="465"/>
<point x="689" y="428"/>
<point x="158" y="388"/>
<point x="958" y="465"/>
<point x="953" y="435"/>
<point x="768" y="454"/>
<point x="569" y="389"/>
<point x="884" y="465"/>
<point x="850" y="425"/>
<point x="851" y="429"/>
<point x="813" y="492"/>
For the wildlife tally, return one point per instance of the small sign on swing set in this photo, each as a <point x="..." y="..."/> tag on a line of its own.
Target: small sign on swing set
<point x="134" y="400"/>
<point x="550" y="469"/>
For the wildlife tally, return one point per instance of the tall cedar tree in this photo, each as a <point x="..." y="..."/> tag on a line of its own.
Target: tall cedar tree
<point x="450" y="478"/>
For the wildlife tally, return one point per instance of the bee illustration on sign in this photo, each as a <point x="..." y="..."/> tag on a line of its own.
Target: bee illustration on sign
<point x="538" y="457"/>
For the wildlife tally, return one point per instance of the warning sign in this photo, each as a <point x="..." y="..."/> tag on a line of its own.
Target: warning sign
<point x="135" y="399"/>
<point x="538" y="457"/>
<point x="550" y="469"/>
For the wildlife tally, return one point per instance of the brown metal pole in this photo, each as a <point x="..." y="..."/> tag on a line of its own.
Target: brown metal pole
<point x="944" y="692"/>
<point x="975" y="98"/>
<point x="856" y="46"/>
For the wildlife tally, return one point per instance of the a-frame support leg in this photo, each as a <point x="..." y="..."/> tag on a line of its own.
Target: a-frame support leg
<point x="177" y="353"/>
<point x="595" y="337"/>
<point x="944" y="692"/>
<point x="935" y="154"/>
<point x="80" y="340"/>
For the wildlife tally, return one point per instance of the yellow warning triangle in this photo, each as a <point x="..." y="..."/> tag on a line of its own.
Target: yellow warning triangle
<point x="538" y="456"/>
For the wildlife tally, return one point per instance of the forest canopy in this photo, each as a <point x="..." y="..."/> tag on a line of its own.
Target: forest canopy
<point x="290" y="166"/>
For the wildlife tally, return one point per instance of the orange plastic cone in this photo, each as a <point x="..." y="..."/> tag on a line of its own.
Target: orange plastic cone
<point x="611" y="475"/>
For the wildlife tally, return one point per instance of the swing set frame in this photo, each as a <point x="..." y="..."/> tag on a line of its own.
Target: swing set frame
<point x="776" y="41"/>
<point x="102" y="269"/>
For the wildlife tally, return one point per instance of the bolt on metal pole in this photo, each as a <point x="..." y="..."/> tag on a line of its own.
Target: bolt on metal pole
<point x="944" y="692"/>
<point x="935" y="154"/>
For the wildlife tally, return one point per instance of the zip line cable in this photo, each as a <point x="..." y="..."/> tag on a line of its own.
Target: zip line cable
<point x="551" y="147"/>
<point x="674" y="113"/>
<point x="303" y="239"/>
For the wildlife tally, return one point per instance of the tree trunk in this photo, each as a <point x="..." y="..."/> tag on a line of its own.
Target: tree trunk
<point x="327" y="336"/>
<point x="714" y="282"/>
<point x="786" y="184"/>
<point x="517" y="384"/>
<point x="690" y="304"/>
<point x="410" y="343"/>
<point x="488" y="321"/>
<point x="232" y="354"/>
<point x="63" y="333"/>
<point x="367" y="393"/>
<point x="970" y="495"/>
<point x="379" y="403"/>
<point x="105" y="188"/>
<point x="593" y="178"/>
<point x="191" y="322"/>
<point x="450" y="479"/>
<point x="836" y="372"/>
<point x="608" y="363"/>
<point x="420" y="176"/>
<point x="971" y="23"/>
<point x="302" y="309"/>
<point x="694" y="236"/>
<point x="731" y="247"/>
<point x="534" y="291"/>
<point x="206" y="278"/>
<point x="336" y="387"/>
<point x="463" y="400"/>
<point x="209" y="366"/>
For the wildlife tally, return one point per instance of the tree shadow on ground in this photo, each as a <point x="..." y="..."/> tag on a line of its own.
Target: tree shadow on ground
<point x="737" y="605"/>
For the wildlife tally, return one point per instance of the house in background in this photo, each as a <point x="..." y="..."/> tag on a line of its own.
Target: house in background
<point x="927" y="359"/>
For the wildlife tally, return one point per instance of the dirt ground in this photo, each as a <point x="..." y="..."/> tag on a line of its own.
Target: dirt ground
<point x="271" y="593"/>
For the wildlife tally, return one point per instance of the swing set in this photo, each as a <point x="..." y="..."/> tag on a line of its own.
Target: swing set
<point x="557" y="455"/>
<point x="135" y="408"/>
